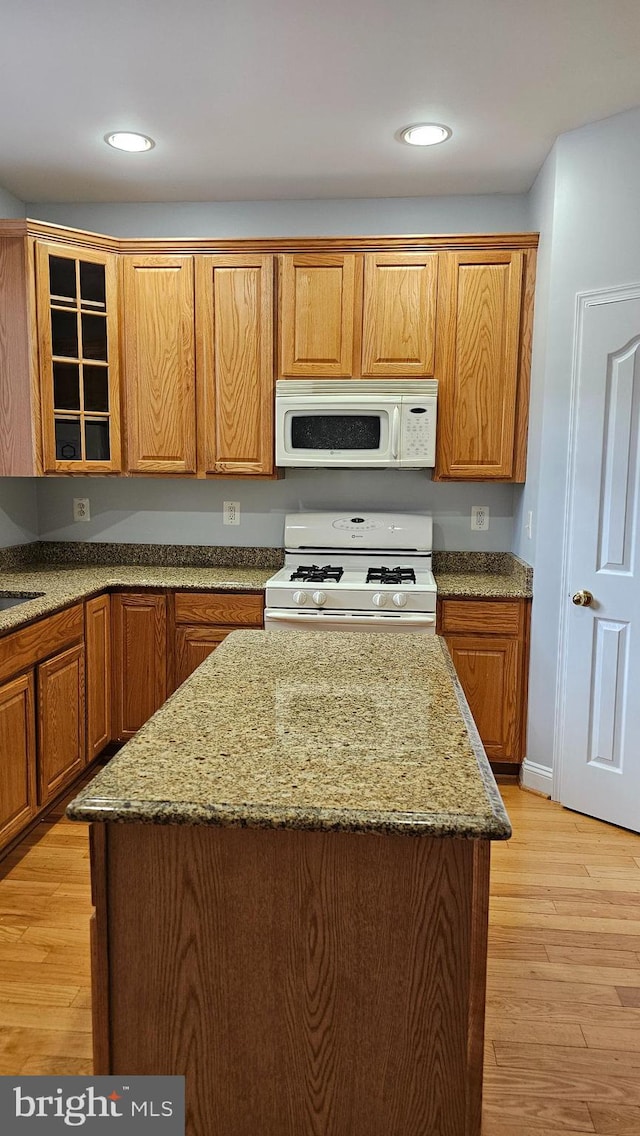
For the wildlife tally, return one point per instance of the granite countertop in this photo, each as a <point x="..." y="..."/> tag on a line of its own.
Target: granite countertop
<point x="61" y="587"/>
<point x="369" y="734"/>
<point x="482" y="575"/>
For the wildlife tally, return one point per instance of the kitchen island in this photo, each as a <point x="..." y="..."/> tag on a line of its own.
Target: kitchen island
<point x="290" y="870"/>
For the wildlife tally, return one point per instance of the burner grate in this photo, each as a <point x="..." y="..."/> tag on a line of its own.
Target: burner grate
<point x="391" y="576"/>
<point x="315" y="574"/>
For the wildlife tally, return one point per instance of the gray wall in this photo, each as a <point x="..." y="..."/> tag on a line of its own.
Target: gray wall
<point x="170" y="511"/>
<point x="587" y="204"/>
<point x="377" y="216"/>
<point x="18" y="511"/>
<point x="10" y="206"/>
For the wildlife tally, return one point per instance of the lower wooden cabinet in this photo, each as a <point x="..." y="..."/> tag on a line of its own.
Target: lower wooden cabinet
<point x="17" y="756"/>
<point x="204" y="619"/>
<point x="193" y="646"/>
<point x="488" y="643"/>
<point x="139" y="643"/>
<point x="97" y="639"/>
<point x="61" y="721"/>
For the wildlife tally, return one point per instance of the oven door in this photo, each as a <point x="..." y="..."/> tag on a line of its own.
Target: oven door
<point x="281" y="619"/>
<point x="342" y="432"/>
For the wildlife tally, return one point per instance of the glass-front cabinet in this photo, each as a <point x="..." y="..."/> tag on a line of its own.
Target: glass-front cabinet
<point x="78" y="344"/>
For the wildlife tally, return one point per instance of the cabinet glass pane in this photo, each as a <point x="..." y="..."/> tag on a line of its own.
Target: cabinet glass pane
<point x="96" y="388"/>
<point x="64" y="334"/>
<point x="66" y="386"/>
<point x="92" y="284"/>
<point x="96" y="440"/>
<point x="68" y="444"/>
<point x="94" y="337"/>
<point x="62" y="279"/>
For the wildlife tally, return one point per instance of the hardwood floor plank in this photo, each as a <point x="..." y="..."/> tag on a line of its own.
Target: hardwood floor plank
<point x="521" y="1008"/>
<point x="520" y="1109"/>
<point x="67" y="1019"/>
<point x="559" y="991"/>
<point x="595" y="889"/>
<point x="628" y="995"/>
<point x="59" y="1066"/>
<point x="538" y="1032"/>
<point x="567" y="1059"/>
<point x="588" y="956"/>
<point x="603" y="1037"/>
<point x="567" y="923"/>
<point x="564" y="1087"/>
<point x="609" y="976"/>
<point x="619" y="1121"/>
<point x="595" y="940"/>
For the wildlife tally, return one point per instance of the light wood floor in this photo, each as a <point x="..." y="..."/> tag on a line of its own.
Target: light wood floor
<point x="563" y="1012"/>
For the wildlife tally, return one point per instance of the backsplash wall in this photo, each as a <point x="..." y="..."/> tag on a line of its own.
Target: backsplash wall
<point x="170" y="511"/>
<point x="18" y="511"/>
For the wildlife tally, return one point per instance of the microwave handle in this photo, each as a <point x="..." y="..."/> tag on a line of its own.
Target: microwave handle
<point x="395" y="432"/>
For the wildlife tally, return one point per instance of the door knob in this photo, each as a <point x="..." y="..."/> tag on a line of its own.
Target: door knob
<point x="583" y="598"/>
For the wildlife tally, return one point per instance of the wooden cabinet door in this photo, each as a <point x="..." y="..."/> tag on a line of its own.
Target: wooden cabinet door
<point x="193" y="646"/>
<point x="159" y="364"/>
<point x="399" y="323"/>
<point x="77" y="314"/>
<point x="479" y="315"/>
<point x="61" y="721"/>
<point x="98" y="676"/>
<point x="17" y="756"/>
<point x="489" y="671"/>
<point x="139" y="642"/>
<point x="317" y="315"/>
<point x="234" y="307"/>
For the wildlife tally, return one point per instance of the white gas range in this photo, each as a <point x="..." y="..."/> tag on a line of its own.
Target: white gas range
<point x="354" y="572"/>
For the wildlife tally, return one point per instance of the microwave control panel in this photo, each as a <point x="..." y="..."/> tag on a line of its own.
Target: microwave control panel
<point x="418" y="431"/>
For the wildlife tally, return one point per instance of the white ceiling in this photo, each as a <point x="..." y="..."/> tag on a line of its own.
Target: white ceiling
<point x="261" y="99"/>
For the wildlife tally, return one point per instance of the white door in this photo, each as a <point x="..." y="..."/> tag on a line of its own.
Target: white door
<point x="600" y="758"/>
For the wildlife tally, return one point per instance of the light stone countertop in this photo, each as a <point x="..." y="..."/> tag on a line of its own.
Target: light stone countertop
<point x="64" y="586"/>
<point x="351" y="732"/>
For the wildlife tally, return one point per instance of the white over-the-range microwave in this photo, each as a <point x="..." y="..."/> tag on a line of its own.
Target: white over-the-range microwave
<point x="374" y="424"/>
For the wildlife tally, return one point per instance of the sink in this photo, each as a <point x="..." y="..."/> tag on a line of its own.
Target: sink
<point x="8" y="601"/>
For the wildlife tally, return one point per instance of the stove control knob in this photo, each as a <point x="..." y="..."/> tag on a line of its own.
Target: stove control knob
<point x="319" y="597"/>
<point x="380" y="599"/>
<point x="300" y="597"/>
<point x="400" y="599"/>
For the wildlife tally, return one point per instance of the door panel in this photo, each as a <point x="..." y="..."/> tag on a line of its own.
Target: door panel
<point x="479" y="298"/>
<point x="488" y="670"/>
<point x="61" y="721"/>
<point x="194" y="645"/>
<point x="139" y="627"/>
<point x="98" y="652"/>
<point x="159" y="355"/>
<point x="17" y="756"/>
<point x="318" y="293"/>
<point x="235" y="363"/>
<point x="398" y="336"/>
<point x="600" y="757"/>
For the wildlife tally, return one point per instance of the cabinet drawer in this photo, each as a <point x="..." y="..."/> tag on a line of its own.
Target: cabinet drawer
<point x="494" y="617"/>
<point x="29" y="645"/>
<point x="219" y="607"/>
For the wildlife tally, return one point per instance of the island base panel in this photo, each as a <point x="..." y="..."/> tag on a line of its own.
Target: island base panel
<point x="305" y="983"/>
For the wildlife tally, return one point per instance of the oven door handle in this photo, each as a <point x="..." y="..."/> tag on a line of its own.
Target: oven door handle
<point x="395" y="432"/>
<point x="420" y="619"/>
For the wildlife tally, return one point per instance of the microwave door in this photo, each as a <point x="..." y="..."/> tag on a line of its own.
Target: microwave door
<point x="340" y="436"/>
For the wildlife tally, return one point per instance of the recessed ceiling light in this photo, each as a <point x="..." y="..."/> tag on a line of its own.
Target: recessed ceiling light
<point x="126" y="140"/>
<point x="425" y="134"/>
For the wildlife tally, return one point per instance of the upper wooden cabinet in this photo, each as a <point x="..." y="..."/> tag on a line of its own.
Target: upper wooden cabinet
<point x="399" y="316"/>
<point x="478" y="363"/>
<point x="234" y="320"/>
<point x="318" y="322"/>
<point x="159" y="363"/>
<point x="77" y="306"/>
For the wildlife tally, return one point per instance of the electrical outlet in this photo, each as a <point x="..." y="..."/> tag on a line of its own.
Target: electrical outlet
<point x="528" y="528"/>
<point x="81" y="509"/>
<point x="231" y="512"/>
<point x="480" y="518"/>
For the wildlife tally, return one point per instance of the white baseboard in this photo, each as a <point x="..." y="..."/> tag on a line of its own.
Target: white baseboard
<point x="537" y="777"/>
